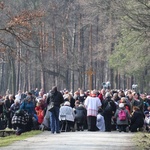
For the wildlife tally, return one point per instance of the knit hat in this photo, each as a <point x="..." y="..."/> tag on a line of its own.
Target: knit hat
<point x="121" y="105"/>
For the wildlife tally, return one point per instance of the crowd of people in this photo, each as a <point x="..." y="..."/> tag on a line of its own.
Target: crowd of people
<point x="96" y="110"/>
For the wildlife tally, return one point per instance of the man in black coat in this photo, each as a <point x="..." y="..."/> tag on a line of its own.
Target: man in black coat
<point x="56" y="98"/>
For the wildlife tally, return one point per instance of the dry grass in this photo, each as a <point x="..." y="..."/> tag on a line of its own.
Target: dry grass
<point x="142" y="140"/>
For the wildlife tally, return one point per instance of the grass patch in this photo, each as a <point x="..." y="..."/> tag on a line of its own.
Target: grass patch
<point x="5" y="141"/>
<point x="142" y="140"/>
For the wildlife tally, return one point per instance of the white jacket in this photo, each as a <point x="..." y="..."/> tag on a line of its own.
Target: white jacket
<point x="66" y="113"/>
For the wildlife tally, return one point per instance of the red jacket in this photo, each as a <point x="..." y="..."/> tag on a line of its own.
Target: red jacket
<point x="40" y="113"/>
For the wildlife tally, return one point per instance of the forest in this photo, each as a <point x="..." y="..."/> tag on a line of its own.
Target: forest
<point x="74" y="44"/>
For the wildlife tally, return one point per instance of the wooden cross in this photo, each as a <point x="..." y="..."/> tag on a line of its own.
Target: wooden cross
<point x="90" y="74"/>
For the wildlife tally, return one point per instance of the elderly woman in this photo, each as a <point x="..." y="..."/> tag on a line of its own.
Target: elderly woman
<point x="66" y="113"/>
<point x="80" y="116"/>
<point x="28" y="105"/>
<point x="122" y="116"/>
<point x="15" y="106"/>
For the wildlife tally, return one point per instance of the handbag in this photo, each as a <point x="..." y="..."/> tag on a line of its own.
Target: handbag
<point x="50" y="107"/>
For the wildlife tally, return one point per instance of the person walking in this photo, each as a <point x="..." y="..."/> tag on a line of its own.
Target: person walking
<point x="92" y="104"/>
<point x="57" y="99"/>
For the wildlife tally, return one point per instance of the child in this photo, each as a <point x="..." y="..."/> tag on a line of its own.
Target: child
<point x="39" y="112"/>
<point x="100" y="121"/>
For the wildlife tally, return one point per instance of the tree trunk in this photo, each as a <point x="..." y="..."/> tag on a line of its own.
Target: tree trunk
<point x="18" y="81"/>
<point x="72" y="65"/>
<point x="13" y="77"/>
<point x="3" y="81"/>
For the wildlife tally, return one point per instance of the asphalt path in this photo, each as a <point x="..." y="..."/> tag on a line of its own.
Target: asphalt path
<point x="79" y="140"/>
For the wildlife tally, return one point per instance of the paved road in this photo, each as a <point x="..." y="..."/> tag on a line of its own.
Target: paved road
<point x="76" y="141"/>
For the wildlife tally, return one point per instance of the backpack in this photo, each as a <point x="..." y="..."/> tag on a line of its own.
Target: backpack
<point x="108" y="108"/>
<point x="122" y="115"/>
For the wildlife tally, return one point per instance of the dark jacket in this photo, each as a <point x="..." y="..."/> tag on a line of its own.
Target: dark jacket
<point x="6" y="107"/>
<point x="56" y="97"/>
<point x="105" y="103"/>
<point x="80" y="114"/>
<point x="1" y="106"/>
<point x="82" y="98"/>
<point x="139" y="103"/>
<point x="137" y="118"/>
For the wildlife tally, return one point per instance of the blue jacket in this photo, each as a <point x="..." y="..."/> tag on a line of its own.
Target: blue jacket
<point x="28" y="106"/>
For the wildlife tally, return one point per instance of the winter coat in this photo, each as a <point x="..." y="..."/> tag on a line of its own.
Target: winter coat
<point x="56" y="97"/>
<point x="100" y="123"/>
<point x="14" y="107"/>
<point x="104" y="105"/>
<point x="82" y="98"/>
<point x="20" y="117"/>
<point x="28" y="106"/>
<point x="6" y="106"/>
<point x="1" y="106"/>
<point x="66" y="113"/>
<point x="139" y="103"/>
<point x="40" y="113"/>
<point x="122" y="122"/>
<point x="80" y="114"/>
<point x="137" y="118"/>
